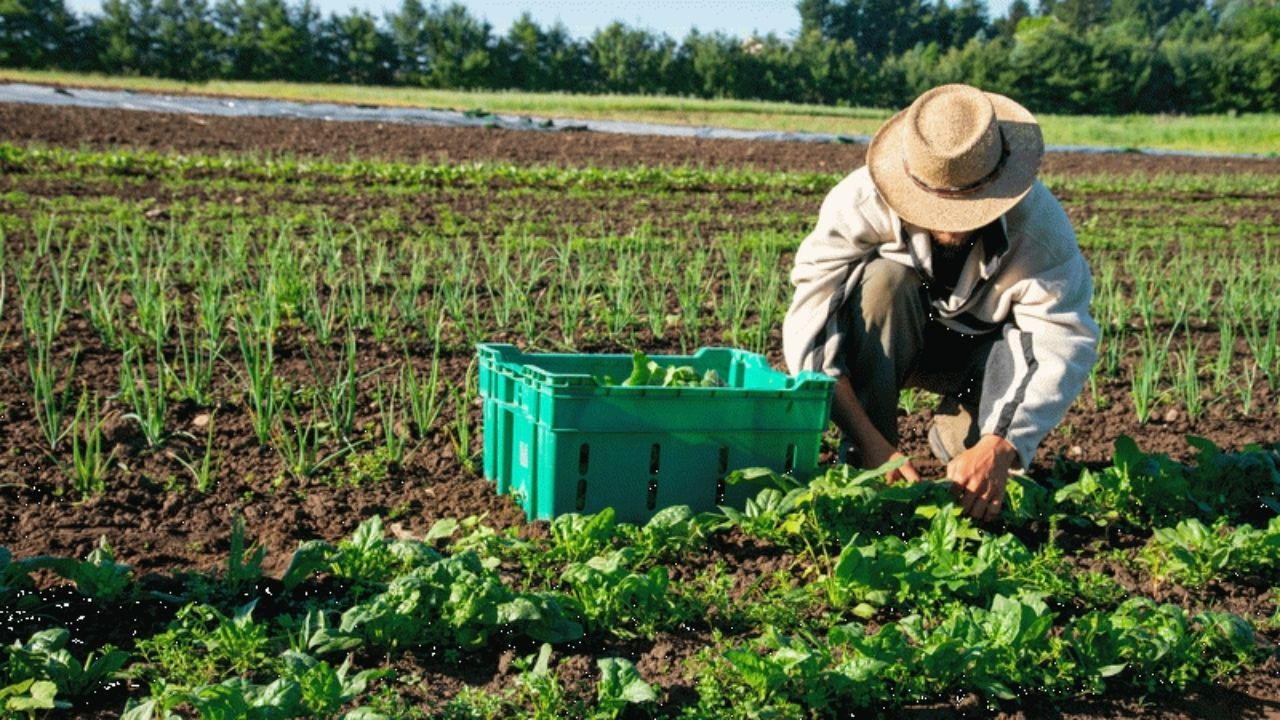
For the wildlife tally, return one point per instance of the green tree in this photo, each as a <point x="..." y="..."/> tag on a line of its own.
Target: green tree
<point x="909" y="74"/>
<point x="128" y="31"/>
<point x="1224" y="58"/>
<point x="267" y="39"/>
<point x="460" y="49"/>
<point x="1249" y="19"/>
<point x="37" y="33"/>
<point x="409" y="41"/>
<point x="829" y="71"/>
<point x="1005" y="27"/>
<point x="955" y="26"/>
<point x="1049" y="66"/>
<point x="186" y="42"/>
<point x="880" y="28"/>
<point x="1152" y="15"/>
<point x="715" y="64"/>
<point x="354" y="50"/>
<point x="816" y="16"/>
<point x="537" y="59"/>
<point x="627" y="60"/>
<point x="1128" y="73"/>
<point x="1107" y="69"/>
<point x="1247" y="67"/>
<point x="441" y="47"/>
<point x="1188" y="27"/>
<point x="984" y="64"/>
<point x="567" y="61"/>
<point x="523" y="54"/>
<point x="1079" y="15"/>
<point x="1192" y="66"/>
<point x="768" y="71"/>
<point x="1096" y="56"/>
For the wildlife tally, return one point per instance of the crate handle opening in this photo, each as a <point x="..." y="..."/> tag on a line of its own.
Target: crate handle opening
<point x="655" y="463"/>
<point x="584" y="458"/>
<point x="581" y="501"/>
<point x="721" y="469"/>
<point x="790" y="464"/>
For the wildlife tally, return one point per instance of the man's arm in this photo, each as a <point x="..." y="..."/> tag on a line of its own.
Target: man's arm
<point x="1036" y="372"/>
<point x="1041" y="364"/>
<point x="851" y="224"/>
<point x="848" y="414"/>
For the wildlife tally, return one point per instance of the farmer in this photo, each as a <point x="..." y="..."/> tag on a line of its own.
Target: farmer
<point x="944" y="264"/>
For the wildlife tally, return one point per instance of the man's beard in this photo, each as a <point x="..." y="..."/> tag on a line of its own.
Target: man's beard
<point x="949" y="253"/>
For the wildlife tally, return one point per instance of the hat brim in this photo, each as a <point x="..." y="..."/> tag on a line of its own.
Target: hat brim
<point x="923" y="208"/>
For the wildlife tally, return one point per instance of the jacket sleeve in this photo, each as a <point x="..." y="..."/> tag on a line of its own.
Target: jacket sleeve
<point x="1039" y="366"/>
<point x="851" y="224"/>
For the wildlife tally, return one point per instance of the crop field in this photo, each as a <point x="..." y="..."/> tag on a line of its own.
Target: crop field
<point x="241" y="433"/>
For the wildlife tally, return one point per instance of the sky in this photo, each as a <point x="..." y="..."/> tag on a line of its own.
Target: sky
<point x="675" y="18"/>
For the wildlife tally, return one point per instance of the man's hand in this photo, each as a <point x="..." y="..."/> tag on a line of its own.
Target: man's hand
<point x="875" y="451"/>
<point x="883" y="454"/>
<point x="979" y="475"/>
<point x="906" y="471"/>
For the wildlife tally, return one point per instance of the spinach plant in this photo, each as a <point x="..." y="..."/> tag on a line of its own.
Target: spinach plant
<point x="45" y="657"/>
<point x="620" y="687"/>
<point x="28" y="696"/>
<point x="98" y="576"/>
<point x="619" y="601"/>
<point x="368" y="560"/>
<point x="1194" y="554"/>
<point x="456" y="602"/>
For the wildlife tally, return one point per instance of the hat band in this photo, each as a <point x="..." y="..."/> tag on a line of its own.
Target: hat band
<point x="950" y="192"/>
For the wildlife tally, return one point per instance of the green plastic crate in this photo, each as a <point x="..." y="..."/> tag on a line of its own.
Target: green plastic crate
<point x="562" y="442"/>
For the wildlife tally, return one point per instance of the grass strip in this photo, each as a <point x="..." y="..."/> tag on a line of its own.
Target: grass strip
<point x="1222" y="133"/>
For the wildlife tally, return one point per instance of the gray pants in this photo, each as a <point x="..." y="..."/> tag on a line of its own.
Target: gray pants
<point x="892" y="342"/>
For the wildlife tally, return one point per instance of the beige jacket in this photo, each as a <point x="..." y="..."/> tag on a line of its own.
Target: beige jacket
<point x="1035" y="291"/>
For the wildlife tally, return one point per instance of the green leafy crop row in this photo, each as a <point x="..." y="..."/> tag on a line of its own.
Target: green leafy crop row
<point x="15" y="158"/>
<point x="891" y="596"/>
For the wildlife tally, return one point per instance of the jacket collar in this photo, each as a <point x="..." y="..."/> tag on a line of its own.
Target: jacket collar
<point x="980" y="265"/>
<point x="993" y="238"/>
<point x="995" y="243"/>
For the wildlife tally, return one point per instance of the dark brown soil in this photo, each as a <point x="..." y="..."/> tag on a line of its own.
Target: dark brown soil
<point x="75" y="127"/>
<point x="161" y="526"/>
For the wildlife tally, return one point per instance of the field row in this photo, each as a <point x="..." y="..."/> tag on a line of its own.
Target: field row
<point x="887" y="593"/>
<point x="273" y="315"/>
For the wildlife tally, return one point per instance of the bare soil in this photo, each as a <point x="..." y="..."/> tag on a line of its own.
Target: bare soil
<point x="76" y="127"/>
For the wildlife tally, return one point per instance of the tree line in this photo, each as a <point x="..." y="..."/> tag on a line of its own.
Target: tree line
<point x="1063" y="56"/>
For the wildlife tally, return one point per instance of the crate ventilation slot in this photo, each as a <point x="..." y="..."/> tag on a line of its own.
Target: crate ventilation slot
<point x="655" y="463"/>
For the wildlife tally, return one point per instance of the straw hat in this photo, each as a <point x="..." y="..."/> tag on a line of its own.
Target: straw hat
<point x="957" y="159"/>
